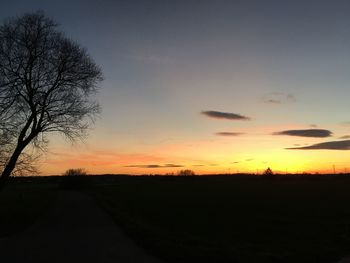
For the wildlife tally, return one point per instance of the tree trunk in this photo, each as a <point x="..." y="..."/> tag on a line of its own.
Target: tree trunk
<point x="10" y="166"/>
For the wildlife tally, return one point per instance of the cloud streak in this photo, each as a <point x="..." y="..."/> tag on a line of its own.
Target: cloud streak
<point x="316" y="133"/>
<point x="333" y="145"/>
<point x="224" y="115"/>
<point x="169" y="165"/>
<point x="229" y="133"/>
<point x="278" y="98"/>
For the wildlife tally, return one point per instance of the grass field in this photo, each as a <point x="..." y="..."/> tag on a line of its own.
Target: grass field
<point x="234" y="219"/>
<point x="23" y="203"/>
<point x="210" y="219"/>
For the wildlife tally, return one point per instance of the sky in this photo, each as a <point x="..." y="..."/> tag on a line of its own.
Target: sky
<point x="211" y="86"/>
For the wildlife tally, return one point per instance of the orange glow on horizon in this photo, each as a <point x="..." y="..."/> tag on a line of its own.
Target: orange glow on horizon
<point x="247" y="154"/>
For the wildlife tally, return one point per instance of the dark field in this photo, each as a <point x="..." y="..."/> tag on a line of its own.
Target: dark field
<point x="22" y="203"/>
<point x="244" y="219"/>
<point x="210" y="218"/>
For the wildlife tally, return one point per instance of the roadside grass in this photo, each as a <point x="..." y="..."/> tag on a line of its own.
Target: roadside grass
<point x="21" y="204"/>
<point x="234" y="219"/>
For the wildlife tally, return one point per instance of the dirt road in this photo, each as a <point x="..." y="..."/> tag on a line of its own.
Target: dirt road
<point x="75" y="230"/>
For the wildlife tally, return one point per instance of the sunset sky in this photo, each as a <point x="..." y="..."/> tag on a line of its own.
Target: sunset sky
<point x="211" y="86"/>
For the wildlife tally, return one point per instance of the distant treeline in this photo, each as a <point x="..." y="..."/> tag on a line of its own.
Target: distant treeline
<point x="113" y="178"/>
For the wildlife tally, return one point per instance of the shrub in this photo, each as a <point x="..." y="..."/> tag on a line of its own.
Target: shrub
<point x="268" y="172"/>
<point x="74" y="179"/>
<point x="186" y="172"/>
<point x="75" y="172"/>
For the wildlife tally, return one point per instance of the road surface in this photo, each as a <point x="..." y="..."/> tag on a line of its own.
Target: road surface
<point x="75" y="230"/>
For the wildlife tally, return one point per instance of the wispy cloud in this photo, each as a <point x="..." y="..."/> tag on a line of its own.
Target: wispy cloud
<point x="317" y="133"/>
<point x="345" y="137"/>
<point x="169" y="165"/>
<point x="272" y="101"/>
<point x="99" y="158"/>
<point x="224" y="115"/>
<point x="278" y="98"/>
<point x="229" y="133"/>
<point x="333" y="145"/>
<point x="246" y="160"/>
<point x="153" y="58"/>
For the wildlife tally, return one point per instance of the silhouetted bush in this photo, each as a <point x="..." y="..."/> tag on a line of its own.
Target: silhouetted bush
<point x="268" y="172"/>
<point x="74" y="179"/>
<point x="75" y="172"/>
<point x="186" y="172"/>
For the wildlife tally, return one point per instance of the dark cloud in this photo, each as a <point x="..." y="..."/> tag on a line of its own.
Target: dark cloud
<point x="345" y="137"/>
<point x="169" y="165"/>
<point x="313" y="125"/>
<point x="198" y="165"/>
<point x="235" y="162"/>
<point x="333" y="145"/>
<point x="249" y="160"/>
<point x="229" y="133"/>
<point x="278" y="98"/>
<point x="273" y="101"/>
<point x="224" y="115"/>
<point x="172" y="165"/>
<point x="318" y="133"/>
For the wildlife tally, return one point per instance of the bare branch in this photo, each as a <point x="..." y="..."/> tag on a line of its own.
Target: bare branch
<point x="47" y="82"/>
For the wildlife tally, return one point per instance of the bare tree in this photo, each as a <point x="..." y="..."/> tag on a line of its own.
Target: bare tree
<point x="46" y="85"/>
<point x="186" y="172"/>
<point x="268" y="172"/>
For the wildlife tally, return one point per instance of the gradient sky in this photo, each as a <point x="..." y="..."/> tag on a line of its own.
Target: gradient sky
<point x="283" y="64"/>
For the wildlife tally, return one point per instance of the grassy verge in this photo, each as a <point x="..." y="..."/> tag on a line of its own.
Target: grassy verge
<point x="227" y="219"/>
<point x="21" y="204"/>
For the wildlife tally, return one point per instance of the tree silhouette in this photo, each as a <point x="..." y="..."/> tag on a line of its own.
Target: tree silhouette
<point x="46" y="83"/>
<point x="186" y="172"/>
<point x="268" y="172"/>
<point x="74" y="179"/>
